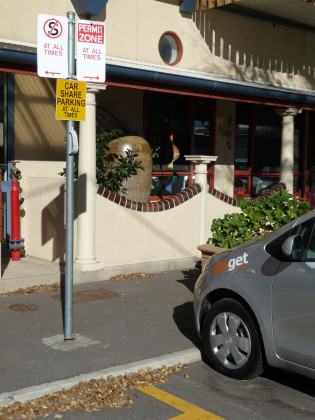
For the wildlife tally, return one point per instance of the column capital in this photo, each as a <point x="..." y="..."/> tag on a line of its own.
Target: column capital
<point x="288" y="112"/>
<point x="95" y="87"/>
<point x="200" y="159"/>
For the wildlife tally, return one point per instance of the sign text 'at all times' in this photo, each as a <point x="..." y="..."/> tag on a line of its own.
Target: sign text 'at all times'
<point x="53" y="49"/>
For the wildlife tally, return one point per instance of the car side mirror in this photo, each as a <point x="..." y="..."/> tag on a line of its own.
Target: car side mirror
<point x="289" y="244"/>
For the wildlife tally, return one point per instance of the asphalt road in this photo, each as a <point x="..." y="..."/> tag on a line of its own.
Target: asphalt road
<point x="204" y="394"/>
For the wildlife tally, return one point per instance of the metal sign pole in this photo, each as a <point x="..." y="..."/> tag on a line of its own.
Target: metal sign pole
<point x="68" y="309"/>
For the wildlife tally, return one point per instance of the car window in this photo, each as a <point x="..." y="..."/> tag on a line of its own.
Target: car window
<point x="310" y="249"/>
<point x="303" y="232"/>
<point x="301" y="248"/>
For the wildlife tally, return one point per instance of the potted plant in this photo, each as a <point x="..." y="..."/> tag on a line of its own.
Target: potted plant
<point x="134" y="155"/>
<point x="258" y="218"/>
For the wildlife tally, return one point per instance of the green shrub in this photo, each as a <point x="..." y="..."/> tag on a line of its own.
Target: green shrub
<point x="257" y="218"/>
<point x="112" y="169"/>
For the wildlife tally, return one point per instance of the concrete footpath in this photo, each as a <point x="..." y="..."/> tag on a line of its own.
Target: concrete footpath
<point x="120" y="326"/>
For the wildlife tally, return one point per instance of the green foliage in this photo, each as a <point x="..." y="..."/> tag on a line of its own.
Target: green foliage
<point x="258" y="217"/>
<point x="155" y="152"/>
<point x="113" y="169"/>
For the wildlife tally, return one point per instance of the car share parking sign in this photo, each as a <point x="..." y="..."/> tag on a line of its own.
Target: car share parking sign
<point x="52" y="46"/>
<point x="70" y="100"/>
<point x="90" y="42"/>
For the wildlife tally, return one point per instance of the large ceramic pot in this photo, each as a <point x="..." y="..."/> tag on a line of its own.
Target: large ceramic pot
<point x="138" y="186"/>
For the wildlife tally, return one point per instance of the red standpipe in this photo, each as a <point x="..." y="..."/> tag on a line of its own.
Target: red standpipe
<point x="15" y="221"/>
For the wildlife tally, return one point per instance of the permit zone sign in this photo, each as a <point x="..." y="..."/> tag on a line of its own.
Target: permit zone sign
<point x="90" y="43"/>
<point x="70" y="100"/>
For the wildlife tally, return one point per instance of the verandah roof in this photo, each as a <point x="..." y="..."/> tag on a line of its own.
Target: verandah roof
<point x="299" y="11"/>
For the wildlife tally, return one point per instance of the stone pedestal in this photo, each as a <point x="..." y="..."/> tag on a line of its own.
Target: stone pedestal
<point x="201" y="172"/>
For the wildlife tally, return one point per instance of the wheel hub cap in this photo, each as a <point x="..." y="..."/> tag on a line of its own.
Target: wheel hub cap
<point x="230" y="340"/>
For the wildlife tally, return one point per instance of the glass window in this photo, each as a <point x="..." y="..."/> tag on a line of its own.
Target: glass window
<point x="168" y="185"/>
<point x="267" y="147"/>
<point x="258" y="143"/>
<point x="167" y="129"/>
<point x="170" y="48"/>
<point x="310" y="250"/>
<point x="2" y="119"/>
<point x="202" y="127"/>
<point x="242" y="133"/>
<point x="302" y="232"/>
<point x="261" y="183"/>
<point x="241" y="185"/>
<point x="311" y="137"/>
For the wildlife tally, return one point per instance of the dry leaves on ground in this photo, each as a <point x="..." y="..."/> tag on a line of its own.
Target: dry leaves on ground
<point x="51" y="288"/>
<point x="132" y="276"/>
<point x="40" y="288"/>
<point x="89" y="396"/>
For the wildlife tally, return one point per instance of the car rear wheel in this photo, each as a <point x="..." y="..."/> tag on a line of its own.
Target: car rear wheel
<point x="230" y="340"/>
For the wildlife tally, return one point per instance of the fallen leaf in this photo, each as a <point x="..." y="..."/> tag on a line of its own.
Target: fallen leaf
<point x="89" y="396"/>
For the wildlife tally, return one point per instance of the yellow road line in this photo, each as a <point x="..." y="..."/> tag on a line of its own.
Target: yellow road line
<point x="190" y="411"/>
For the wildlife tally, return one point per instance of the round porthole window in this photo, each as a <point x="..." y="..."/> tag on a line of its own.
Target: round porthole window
<point x="170" y="48"/>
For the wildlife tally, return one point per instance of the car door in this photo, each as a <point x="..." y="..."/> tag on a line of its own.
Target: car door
<point x="293" y="300"/>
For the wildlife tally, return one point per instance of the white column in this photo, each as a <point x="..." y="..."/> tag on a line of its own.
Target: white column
<point x="201" y="177"/>
<point x="224" y="146"/>
<point x="86" y="259"/>
<point x="287" y="147"/>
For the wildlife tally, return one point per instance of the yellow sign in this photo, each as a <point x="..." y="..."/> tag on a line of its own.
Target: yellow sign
<point x="70" y="100"/>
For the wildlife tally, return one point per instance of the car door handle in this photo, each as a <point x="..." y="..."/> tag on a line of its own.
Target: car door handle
<point x="250" y="271"/>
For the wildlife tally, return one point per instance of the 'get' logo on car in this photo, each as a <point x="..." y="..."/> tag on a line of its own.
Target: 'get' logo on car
<point x="231" y="264"/>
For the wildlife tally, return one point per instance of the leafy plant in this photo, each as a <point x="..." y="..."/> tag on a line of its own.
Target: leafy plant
<point x="113" y="169"/>
<point x="258" y="217"/>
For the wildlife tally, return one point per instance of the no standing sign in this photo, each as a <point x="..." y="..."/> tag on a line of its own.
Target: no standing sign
<point x="52" y="46"/>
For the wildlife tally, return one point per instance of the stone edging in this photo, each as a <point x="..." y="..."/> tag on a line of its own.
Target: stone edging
<point x="234" y="201"/>
<point x="271" y="191"/>
<point x="166" y="204"/>
<point x="223" y="197"/>
<point x="179" y="198"/>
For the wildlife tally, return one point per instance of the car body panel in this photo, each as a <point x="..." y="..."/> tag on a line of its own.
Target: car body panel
<point x="293" y="308"/>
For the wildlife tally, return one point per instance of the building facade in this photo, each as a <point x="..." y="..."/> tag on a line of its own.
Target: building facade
<point x="212" y="77"/>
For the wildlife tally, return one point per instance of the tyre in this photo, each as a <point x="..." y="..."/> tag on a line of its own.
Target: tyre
<point x="231" y="342"/>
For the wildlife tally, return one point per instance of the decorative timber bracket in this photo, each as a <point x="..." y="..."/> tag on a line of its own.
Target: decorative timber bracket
<point x="189" y="6"/>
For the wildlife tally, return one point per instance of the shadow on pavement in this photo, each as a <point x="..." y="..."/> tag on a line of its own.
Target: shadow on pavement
<point x="292" y="380"/>
<point x="190" y="277"/>
<point x="183" y="316"/>
<point x="62" y="293"/>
